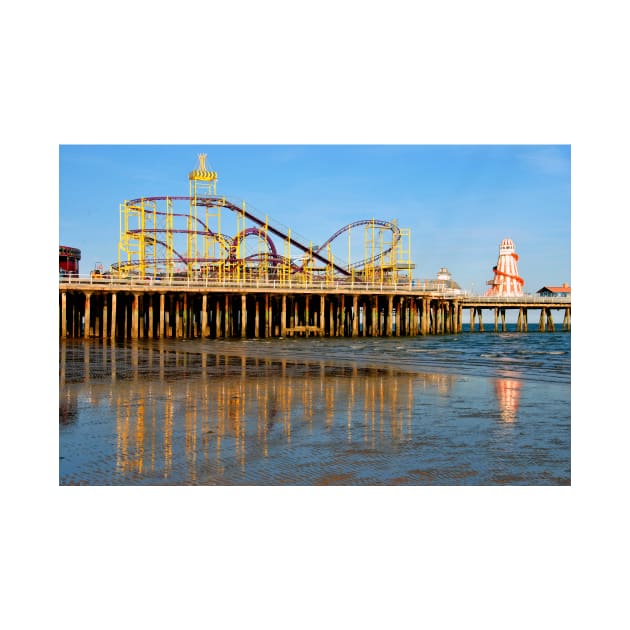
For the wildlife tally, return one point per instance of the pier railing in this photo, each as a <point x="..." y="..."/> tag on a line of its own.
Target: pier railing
<point x="521" y="299"/>
<point x="435" y="289"/>
<point x="249" y="283"/>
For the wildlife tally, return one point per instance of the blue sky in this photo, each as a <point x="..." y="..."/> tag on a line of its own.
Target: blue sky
<point x="459" y="201"/>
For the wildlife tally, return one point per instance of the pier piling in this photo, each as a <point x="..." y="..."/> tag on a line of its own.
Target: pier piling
<point x="112" y="311"/>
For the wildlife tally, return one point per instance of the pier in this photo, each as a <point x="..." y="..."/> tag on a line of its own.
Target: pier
<point x="134" y="308"/>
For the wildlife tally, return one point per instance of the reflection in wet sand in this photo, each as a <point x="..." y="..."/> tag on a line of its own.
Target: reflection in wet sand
<point x="231" y="410"/>
<point x="508" y="392"/>
<point x="174" y="413"/>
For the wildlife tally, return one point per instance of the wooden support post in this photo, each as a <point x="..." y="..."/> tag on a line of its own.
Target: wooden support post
<point x="355" y="315"/>
<point x="217" y="319"/>
<point x="168" y="318"/>
<point x="204" y="315"/>
<point x="472" y="319"/>
<point x="331" y="318"/>
<point x="113" y="317"/>
<point x="340" y="316"/>
<point x="566" y="322"/>
<point x="503" y="327"/>
<point x="388" y="315"/>
<point x="456" y="315"/>
<point x="268" y="316"/>
<point x="186" y="331"/>
<point x="134" y="315"/>
<point x="447" y="318"/>
<point x="307" y="312"/>
<point x="404" y="316"/>
<point x="244" y="315"/>
<point x="86" y="316"/>
<point x="479" y="311"/>
<point x="256" y="316"/>
<point x="74" y="315"/>
<point x="448" y="328"/>
<point x="322" y="315"/>
<point x="227" y="317"/>
<point x="64" y="324"/>
<point x="178" y="318"/>
<point x="150" y="331"/>
<point x="550" y="324"/>
<point x="160" y="332"/>
<point x="140" y="316"/>
<point x="283" y="316"/>
<point x="541" y="321"/>
<point x="496" y="319"/>
<point x="422" y="316"/>
<point x="105" y="316"/>
<point x="98" y="315"/>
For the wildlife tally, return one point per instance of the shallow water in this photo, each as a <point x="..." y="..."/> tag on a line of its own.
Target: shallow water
<point x="468" y="409"/>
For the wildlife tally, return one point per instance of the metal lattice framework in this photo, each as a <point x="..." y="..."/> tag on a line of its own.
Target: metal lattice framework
<point x="170" y="236"/>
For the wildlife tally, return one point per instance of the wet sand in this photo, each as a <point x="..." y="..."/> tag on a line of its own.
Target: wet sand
<point x="171" y="415"/>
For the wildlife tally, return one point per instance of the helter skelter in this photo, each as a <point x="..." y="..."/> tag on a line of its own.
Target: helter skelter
<point x="506" y="281"/>
<point x="189" y="236"/>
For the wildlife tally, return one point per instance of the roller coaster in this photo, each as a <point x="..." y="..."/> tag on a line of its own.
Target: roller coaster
<point x="185" y="236"/>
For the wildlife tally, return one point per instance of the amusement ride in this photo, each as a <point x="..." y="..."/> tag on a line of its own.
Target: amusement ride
<point x="190" y="236"/>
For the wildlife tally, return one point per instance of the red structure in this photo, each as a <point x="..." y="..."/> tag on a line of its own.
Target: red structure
<point x="506" y="281"/>
<point x="69" y="258"/>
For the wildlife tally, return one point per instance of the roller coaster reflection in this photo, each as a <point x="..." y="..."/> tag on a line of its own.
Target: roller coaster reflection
<point x="199" y="417"/>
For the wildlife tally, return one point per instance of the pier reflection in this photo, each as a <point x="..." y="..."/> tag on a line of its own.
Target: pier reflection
<point x="193" y="417"/>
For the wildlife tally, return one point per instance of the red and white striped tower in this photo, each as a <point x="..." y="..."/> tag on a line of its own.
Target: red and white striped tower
<point x="506" y="281"/>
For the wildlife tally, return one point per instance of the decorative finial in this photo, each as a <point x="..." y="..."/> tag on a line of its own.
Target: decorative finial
<point x="202" y="174"/>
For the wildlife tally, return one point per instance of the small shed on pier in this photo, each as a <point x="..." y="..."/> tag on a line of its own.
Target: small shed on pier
<point x="563" y="291"/>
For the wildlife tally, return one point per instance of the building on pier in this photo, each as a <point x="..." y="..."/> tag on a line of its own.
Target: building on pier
<point x="563" y="291"/>
<point x="445" y="281"/>
<point x="69" y="258"/>
<point x="506" y="281"/>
